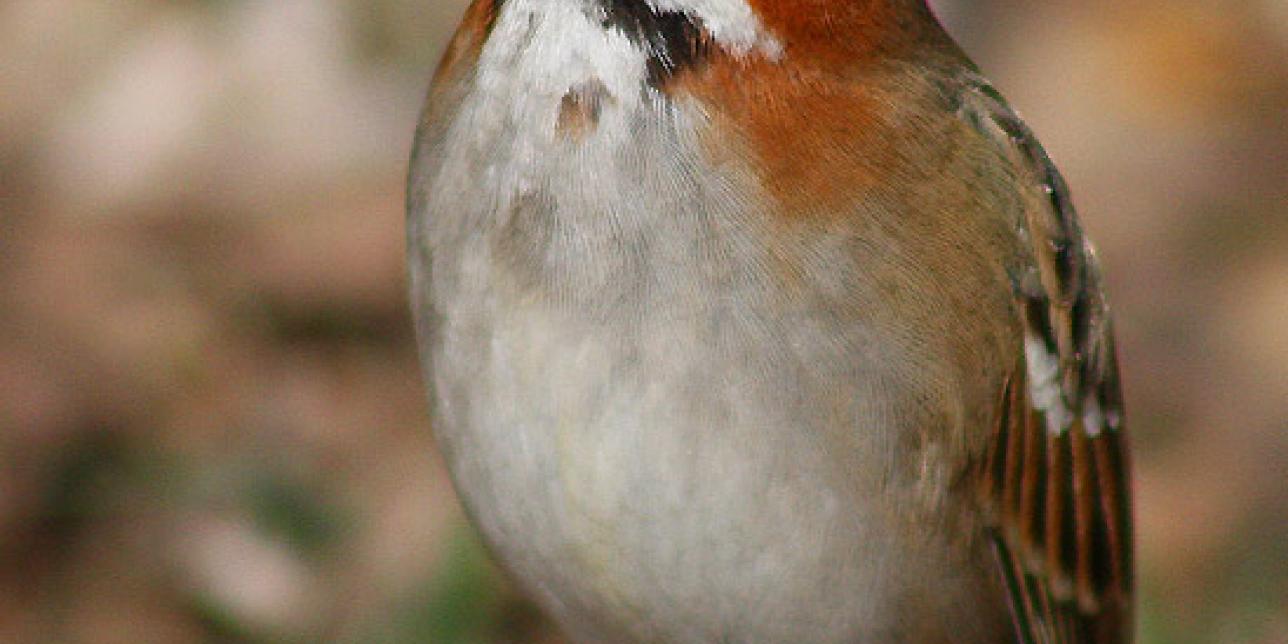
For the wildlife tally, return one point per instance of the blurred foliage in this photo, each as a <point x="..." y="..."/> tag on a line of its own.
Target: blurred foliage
<point x="464" y="602"/>
<point x="212" y="425"/>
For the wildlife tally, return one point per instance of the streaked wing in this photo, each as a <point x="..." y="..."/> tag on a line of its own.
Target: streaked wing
<point x="1055" y="478"/>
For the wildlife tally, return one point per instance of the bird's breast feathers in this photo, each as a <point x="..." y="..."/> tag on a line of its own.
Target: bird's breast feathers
<point x="776" y="228"/>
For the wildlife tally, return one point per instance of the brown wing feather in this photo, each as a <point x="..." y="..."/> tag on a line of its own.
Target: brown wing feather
<point x="1055" y="477"/>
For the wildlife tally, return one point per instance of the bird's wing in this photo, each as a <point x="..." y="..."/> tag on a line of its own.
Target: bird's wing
<point x="1055" y="476"/>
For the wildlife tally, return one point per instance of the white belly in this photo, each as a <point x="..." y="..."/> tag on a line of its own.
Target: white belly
<point x="655" y="430"/>
<point x="648" y="472"/>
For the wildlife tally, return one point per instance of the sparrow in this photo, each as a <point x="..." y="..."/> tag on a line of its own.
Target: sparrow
<point x="765" y="321"/>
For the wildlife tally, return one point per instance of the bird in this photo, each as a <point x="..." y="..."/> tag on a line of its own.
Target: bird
<point x="765" y="321"/>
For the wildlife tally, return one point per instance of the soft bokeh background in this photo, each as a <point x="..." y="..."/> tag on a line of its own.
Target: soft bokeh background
<point x="211" y="423"/>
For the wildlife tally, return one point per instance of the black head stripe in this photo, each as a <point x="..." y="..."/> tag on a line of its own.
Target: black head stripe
<point x="674" y="40"/>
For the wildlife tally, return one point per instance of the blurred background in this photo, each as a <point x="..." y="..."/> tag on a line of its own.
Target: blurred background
<point x="211" y="418"/>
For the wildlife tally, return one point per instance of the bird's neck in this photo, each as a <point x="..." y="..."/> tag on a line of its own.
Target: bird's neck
<point x="676" y="36"/>
<point x="826" y="31"/>
<point x="838" y="30"/>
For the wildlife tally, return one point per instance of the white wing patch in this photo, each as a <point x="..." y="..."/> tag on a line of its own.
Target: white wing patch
<point x="1092" y="418"/>
<point x="1045" y="389"/>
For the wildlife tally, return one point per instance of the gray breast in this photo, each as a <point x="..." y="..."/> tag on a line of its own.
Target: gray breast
<point x="653" y="421"/>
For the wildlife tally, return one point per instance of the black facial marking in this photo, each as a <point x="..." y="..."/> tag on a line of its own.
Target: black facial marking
<point x="673" y="40"/>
